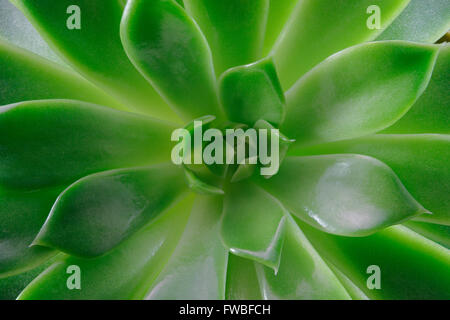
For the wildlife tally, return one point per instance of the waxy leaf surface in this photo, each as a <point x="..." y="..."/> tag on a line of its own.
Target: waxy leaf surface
<point x="168" y="48"/>
<point x="98" y="212"/>
<point x="359" y="91"/>
<point x="51" y="142"/>
<point x="342" y="194"/>
<point x="319" y="28"/>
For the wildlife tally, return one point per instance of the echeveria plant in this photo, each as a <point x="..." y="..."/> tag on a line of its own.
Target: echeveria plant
<point x="92" y="207"/>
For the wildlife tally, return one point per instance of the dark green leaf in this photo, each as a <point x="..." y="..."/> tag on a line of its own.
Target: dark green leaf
<point x="126" y="272"/>
<point x="95" y="50"/>
<point x="52" y="142"/>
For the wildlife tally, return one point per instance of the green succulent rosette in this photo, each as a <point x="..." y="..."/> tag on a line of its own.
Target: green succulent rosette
<point x="91" y="91"/>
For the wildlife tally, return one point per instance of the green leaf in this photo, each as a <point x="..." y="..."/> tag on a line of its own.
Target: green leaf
<point x="126" y="272"/>
<point x="319" y="28"/>
<point x="242" y="280"/>
<point x="353" y="290"/>
<point x="279" y="12"/>
<point x="95" y="50"/>
<point x="252" y="92"/>
<point x="21" y="216"/>
<point x="431" y="113"/>
<point x="96" y="213"/>
<point x="435" y="232"/>
<point x="411" y="267"/>
<point x="302" y="274"/>
<point x="359" y="91"/>
<point x="420" y="161"/>
<point x="253" y="224"/>
<point x="11" y="287"/>
<point x="421" y="21"/>
<point x="15" y="28"/>
<point x="197" y="269"/>
<point x="342" y="194"/>
<point x="52" y="142"/>
<point x="26" y="76"/>
<point x="168" y="48"/>
<point x="234" y="28"/>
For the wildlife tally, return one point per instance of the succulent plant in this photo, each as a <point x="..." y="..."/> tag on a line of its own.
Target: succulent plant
<point x="91" y="92"/>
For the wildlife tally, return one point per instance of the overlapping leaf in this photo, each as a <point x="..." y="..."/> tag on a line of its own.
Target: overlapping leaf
<point x="168" y="48"/>
<point x="197" y="269"/>
<point x="411" y="266"/>
<point x="359" y="91"/>
<point x="52" y="142"/>
<point x="302" y="273"/>
<point x="98" y="212"/>
<point x="420" y="161"/>
<point x="235" y="29"/>
<point x="26" y="76"/>
<point x="342" y="194"/>
<point x="95" y="49"/>
<point x="126" y="272"/>
<point x="319" y="28"/>
<point x="421" y="21"/>
<point x="253" y="225"/>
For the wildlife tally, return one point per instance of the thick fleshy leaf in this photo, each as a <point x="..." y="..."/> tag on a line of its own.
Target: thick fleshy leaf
<point x="98" y="212"/>
<point x="21" y="216"/>
<point x="319" y="28"/>
<point x="279" y="12"/>
<point x="26" y="76"/>
<point x="95" y="49"/>
<point x="197" y="269"/>
<point x="51" y="142"/>
<point x="126" y="272"/>
<point x="342" y="194"/>
<point x="252" y="92"/>
<point x="431" y="113"/>
<point x="15" y="28"/>
<point x="411" y="267"/>
<point x="168" y="48"/>
<point x="253" y="224"/>
<point x="353" y="290"/>
<point x="242" y="280"/>
<point x="359" y="91"/>
<point x="420" y="161"/>
<point x="11" y="287"/>
<point x="302" y="274"/>
<point x="234" y="28"/>
<point x="435" y="232"/>
<point x="421" y="21"/>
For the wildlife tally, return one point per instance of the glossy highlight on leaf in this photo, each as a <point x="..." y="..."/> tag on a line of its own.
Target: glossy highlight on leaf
<point x="168" y="48"/>
<point x="126" y="272"/>
<point x="319" y="28"/>
<point x="358" y="91"/>
<point x="420" y="161"/>
<point x="104" y="209"/>
<point x="349" y="195"/>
